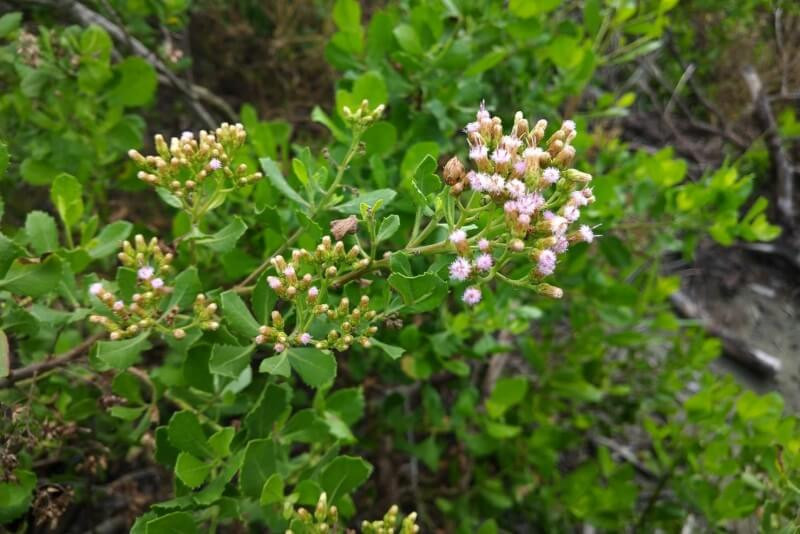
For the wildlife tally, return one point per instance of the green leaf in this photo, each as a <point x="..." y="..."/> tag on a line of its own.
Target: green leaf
<point x="185" y="286"/>
<point x="42" y="232"/>
<point x="9" y="251"/>
<point x="123" y="353"/>
<point x="15" y="497"/>
<point x="110" y="239"/>
<point x="408" y="39"/>
<point x="415" y="156"/>
<point x="220" y="441"/>
<point x="388" y="227"/>
<point x="8" y="23"/>
<point x="273" y="172"/>
<point x="229" y="360"/>
<point x="174" y="523"/>
<point x="527" y="8"/>
<point x="136" y="85"/>
<point x="36" y="172"/>
<point x="238" y="316"/>
<point x="33" y="279"/>
<point x="391" y="350"/>
<point x="507" y="392"/>
<point x="225" y="240"/>
<point x="168" y="198"/>
<point x="190" y="470"/>
<point x="260" y="463"/>
<point x="3" y="166"/>
<point x="263" y="299"/>
<point x="272" y="492"/>
<point x="5" y="356"/>
<point x="486" y="62"/>
<point x="420" y="293"/>
<point x="343" y="475"/>
<point x="186" y="434"/>
<point x="65" y="193"/>
<point x="348" y="403"/>
<point x="276" y="365"/>
<point x="353" y="206"/>
<point x="271" y="408"/>
<point x="314" y="366"/>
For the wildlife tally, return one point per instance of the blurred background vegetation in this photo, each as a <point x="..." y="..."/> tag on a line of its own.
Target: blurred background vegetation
<point x="610" y="410"/>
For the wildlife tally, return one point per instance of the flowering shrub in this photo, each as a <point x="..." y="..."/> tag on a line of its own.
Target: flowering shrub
<point x="323" y="339"/>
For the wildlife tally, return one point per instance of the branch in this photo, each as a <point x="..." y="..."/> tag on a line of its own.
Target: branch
<point x="737" y="349"/>
<point x="51" y="363"/>
<point x="777" y="153"/>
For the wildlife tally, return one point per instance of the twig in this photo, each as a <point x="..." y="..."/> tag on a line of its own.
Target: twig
<point x="51" y="363"/>
<point x="777" y="153"/>
<point x="737" y="349"/>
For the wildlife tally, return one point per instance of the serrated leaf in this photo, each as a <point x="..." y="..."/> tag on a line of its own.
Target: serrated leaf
<point x="272" y="492"/>
<point x="272" y="407"/>
<point x="42" y="232"/>
<point x="343" y="475"/>
<point x="225" y="240"/>
<point x="123" y="353"/>
<point x="260" y="463"/>
<point x="388" y="227"/>
<point x="190" y="470"/>
<point x="110" y="239"/>
<point x="314" y="366"/>
<point x="420" y="293"/>
<point x="237" y="315"/>
<point x="186" y="434"/>
<point x="229" y="360"/>
<point x="173" y="523"/>
<point x="276" y="365"/>
<point x="185" y="288"/>
<point x="393" y="352"/>
<point x="33" y="279"/>
<point x="353" y="206"/>
<point x="66" y="194"/>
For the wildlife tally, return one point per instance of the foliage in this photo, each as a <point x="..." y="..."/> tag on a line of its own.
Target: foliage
<point x="301" y="330"/>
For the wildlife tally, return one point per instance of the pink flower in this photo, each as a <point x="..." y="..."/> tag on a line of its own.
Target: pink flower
<point x="305" y="338"/>
<point x="458" y="236"/>
<point x="96" y="288"/>
<point x="568" y="126"/>
<point x="510" y="143"/>
<point x="483" y="245"/>
<point x="157" y="283"/>
<point x="118" y="305"/>
<point x="478" y="153"/>
<point x="501" y="156"/>
<point x="528" y="204"/>
<point x="279" y="347"/>
<point x="551" y="175"/>
<point x="578" y="198"/>
<point x="532" y="153"/>
<point x="484" y="262"/>
<point x="214" y="164"/>
<point x="313" y="292"/>
<point x="145" y="273"/>
<point x="561" y="245"/>
<point x="586" y="233"/>
<point x="482" y="113"/>
<point x="510" y="206"/>
<point x="495" y="185"/>
<point x="274" y="282"/>
<point x="558" y="225"/>
<point x="288" y="271"/>
<point x="477" y="180"/>
<point x="520" y="167"/>
<point x="546" y="262"/>
<point x="515" y="188"/>
<point x="524" y="218"/>
<point x="571" y="213"/>
<point x="472" y="296"/>
<point x="460" y="269"/>
<point x="473" y="127"/>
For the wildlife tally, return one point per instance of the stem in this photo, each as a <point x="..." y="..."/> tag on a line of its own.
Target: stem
<point x="321" y="206"/>
<point x="46" y="365"/>
<point x="184" y="405"/>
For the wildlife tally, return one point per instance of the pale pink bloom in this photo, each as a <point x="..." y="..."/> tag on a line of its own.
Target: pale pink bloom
<point x="473" y="127"/>
<point x="558" y="225"/>
<point x="478" y="153"/>
<point x="532" y="153"/>
<point x="145" y="273"/>
<point x="187" y="136"/>
<point x="476" y="180"/>
<point x="458" y="236"/>
<point x="510" y="206"/>
<point x="515" y="188"/>
<point x="305" y="338"/>
<point x="214" y="164"/>
<point x="524" y="218"/>
<point x="288" y="271"/>
<point x="313" y="292"/>
<point x="460" y="269"/>
<point x="568" y="126"/>
<point x="496" y="184"/>
<point x="501" y="156"/>
<point x="484" y="262"/>
<point x="472" y="296"/>
<point x="510" y="143"/>
<point x="586" y="233"/>
<point x="274" y="282"/>
<point x="157" y="283"/>
<point x="482" y="113"/>
<point x="483" y="245"/>
<point x="96" y="288"/>
<point x="546" y="262"/>
<point x="561" y="245"/>
<point x="279" y="347"/>
<point x="578" y="198"/>
<point x="551" y="175"/>
<point x="520" y="167"/>
<point x="118" y="305"/>
<point x="571" y="213"/>
<point x="528" y="204"/>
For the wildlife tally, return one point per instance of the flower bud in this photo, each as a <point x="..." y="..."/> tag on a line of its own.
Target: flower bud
<point x="551" y="291"/>
<point x="453" y="171"/>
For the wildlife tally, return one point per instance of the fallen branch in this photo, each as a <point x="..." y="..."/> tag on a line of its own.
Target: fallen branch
<point x="735" y="348"/>
<point x="777" y="153"/>
<point x="51" y="363"/>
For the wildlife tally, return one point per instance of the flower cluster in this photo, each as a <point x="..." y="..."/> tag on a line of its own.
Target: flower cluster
<point x="326" y="519"/>
<point x="529" y="180"/>
<point x="199" y="169"/>
<point x="151" y="269"/>
<point x="362" y="116"/>
<point x="303" y="279"/>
